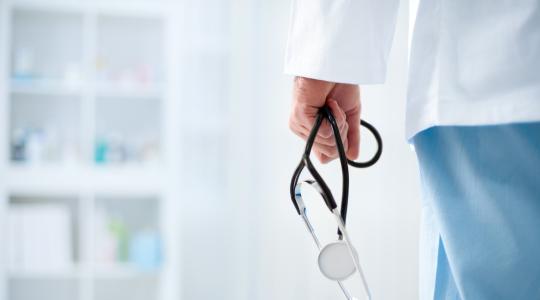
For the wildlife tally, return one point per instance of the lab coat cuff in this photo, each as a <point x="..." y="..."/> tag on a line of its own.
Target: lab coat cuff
<point x="344" y="74"/>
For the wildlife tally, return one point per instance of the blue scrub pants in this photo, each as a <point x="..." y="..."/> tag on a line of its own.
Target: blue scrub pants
<point x="480" y="235"/>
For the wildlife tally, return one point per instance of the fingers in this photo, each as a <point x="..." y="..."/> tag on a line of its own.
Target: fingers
<point x="322" y="157"/>
<point x="340" y="117"/>
<point x="348" y="97"/>
<point x="309" y="95"/>
<point x="329" y="150"/>
<point x="303" y="131"/>
<point x="353" y="134"/>
<point x="324" y="147"/>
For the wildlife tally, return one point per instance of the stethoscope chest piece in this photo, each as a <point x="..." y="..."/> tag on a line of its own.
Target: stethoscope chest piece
<point x="335" y="261"/>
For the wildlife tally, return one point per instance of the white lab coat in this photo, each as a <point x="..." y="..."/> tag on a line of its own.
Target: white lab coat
<point x="472" y="62"/>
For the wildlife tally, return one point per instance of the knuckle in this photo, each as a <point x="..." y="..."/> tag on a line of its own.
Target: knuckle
<point x="332" y="152"/>
<point x="330" y="141"/>
<point x="301" y="113"/>
<point x="325" y="131"/>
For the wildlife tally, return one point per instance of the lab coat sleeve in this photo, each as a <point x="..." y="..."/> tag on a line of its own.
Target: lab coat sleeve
<point x="346" y="41"/>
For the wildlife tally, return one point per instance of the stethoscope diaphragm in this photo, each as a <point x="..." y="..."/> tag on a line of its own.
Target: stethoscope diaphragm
<point x="335" y="262"/>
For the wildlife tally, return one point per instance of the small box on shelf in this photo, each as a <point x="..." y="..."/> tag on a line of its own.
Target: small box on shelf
<point x="140" y="68"/>
<point x="127" y="234"/>
<point x="127" y="131"/>
<point x="41" y="235"/>
<point x="45" y="130"/>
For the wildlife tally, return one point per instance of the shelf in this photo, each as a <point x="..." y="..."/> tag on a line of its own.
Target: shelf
<point x="39" y="87"/>
<point x="45" y="87"/>
<point x="121" y="271"/>
<point x="67" y="273"/>
<point x="113" y="180"/>
<point x="117" y="271"/>
<point x="136" y="8"/>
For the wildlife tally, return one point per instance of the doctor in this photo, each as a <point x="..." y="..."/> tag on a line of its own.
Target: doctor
<point x="473" y="114"/>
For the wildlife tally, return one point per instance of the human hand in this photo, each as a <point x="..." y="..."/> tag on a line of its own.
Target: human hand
<point x="343" y="100"/>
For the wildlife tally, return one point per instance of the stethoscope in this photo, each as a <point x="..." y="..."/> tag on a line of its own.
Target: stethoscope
<point x="337" y="260"/>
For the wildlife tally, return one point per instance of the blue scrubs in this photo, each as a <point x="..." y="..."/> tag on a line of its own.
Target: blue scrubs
<point x="481" y="212"/>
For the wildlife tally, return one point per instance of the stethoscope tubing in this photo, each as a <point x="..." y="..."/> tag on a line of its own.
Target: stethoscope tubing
<point x="305" y="162"/>
<point x="323" y="189"/>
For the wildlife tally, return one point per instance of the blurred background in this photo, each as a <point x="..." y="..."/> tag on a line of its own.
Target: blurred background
<point x="145" y="154"/>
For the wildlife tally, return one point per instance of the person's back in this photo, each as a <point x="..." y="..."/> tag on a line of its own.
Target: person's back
<point x="473" y="115"/>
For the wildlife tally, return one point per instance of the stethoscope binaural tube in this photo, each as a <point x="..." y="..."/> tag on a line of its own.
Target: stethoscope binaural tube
<point x="320" y="185"/>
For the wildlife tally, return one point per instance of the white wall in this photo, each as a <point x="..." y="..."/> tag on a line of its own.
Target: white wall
<point x="384" y="202"/>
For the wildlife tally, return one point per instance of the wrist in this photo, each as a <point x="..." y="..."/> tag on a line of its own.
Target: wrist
<point x="313" y="92"/>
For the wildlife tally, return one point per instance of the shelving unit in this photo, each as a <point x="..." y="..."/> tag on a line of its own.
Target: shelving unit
<point x="89" y="145"/>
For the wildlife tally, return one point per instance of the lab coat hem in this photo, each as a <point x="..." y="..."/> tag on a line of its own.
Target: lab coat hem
<point x="467" y="113"/>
